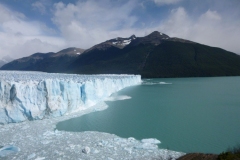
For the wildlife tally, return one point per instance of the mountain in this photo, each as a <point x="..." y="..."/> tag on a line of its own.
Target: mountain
<point x="48" y="62"/>
<point x="155" y="55"/>
<point x="5" y="60"/>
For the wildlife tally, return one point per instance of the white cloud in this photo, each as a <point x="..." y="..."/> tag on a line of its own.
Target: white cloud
<point x="39" y="6"/>
<point x="42" y="6"/>
<point x="166" y="2"/>
<point x="86" y="23"/>
<point x="177" y="24"/>
<point x="20" y="37"/>
<point x="7" y="15"/>
<point x="90" y="22"/>
<point x="209" y="28"/>
<point x="211" y="15"/>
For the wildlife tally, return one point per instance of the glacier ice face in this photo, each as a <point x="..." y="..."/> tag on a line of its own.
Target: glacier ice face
<point x="37" y="95"/>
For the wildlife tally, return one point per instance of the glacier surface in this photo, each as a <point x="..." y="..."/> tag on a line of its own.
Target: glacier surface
<point x="38" y="95"/>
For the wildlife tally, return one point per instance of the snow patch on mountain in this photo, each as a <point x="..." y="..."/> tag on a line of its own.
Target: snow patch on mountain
<point x="122" y="41"/>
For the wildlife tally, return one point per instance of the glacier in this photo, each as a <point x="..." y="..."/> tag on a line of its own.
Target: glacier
<point x="38" y="95"/>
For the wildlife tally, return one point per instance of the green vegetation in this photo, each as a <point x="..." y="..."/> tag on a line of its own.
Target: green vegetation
<point x="168" y="59"/>
<point x="230" y="154"/>
<point x="150" y="56"/>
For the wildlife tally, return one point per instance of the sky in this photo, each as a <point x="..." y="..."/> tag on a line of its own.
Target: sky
<point x="31" y="26"/>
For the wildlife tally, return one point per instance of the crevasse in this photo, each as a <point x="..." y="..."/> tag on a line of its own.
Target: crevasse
<point x="38" y="95"/>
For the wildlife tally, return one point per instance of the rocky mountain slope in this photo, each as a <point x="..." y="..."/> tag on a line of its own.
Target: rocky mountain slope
<point x="155" y="55"/>
<point x="158" y="55"/>
<point x="48" y="62"/>
<point x="5" y="60"/>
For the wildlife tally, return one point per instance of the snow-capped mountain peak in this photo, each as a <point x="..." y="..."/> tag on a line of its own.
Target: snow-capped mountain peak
<point x="122" y="42"/>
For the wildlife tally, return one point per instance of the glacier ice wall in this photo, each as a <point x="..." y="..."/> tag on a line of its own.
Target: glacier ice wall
<point x="38" y="95"/>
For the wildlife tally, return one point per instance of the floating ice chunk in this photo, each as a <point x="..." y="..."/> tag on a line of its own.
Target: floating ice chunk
<point x="120" y="140"/>
<point x="154" y="83"/>
<point x="48" y="133"/>
<point x="86" y="150"/>
<point x="148" y="146"/>
<point x="6" y="150"/>
<point x="96" y="151"/>
<point x="168" y="154"/>
<point x="117" y="98"/>
<point x="128" y="149"/>
<point x="164" y="83"/>
<point x="131" y="139"/>
<point x="31" y="156"/>
<point x="46" y="142"/>
<point x="100" y="106"/>
<point x="151" y="141"/>
<point x="100" y="144"/>
<point x="40" y="158"/>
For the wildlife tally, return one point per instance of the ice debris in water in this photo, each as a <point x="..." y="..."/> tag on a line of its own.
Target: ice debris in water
<point x="117" y="98"/>
<point x="86" y="150"/>
<point x="151" y="141"/>
<point x="31" y="156"/>
<point x="38" y="95"/>
<point x="40" y="140"/>
<point x="146" y="82"/>
<point x="9" y="149"/>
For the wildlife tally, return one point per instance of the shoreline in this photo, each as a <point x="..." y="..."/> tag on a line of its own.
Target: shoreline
<point x="43" y="137"/>
<point x="39" y="139"/>
<point x="198" y="156"/>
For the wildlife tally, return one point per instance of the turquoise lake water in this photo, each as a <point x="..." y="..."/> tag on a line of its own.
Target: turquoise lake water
<point x="185" y="114"/>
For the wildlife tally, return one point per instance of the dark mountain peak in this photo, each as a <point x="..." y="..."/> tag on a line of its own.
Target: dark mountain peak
<point x="161" y="36"/>
<point x="154" y="38"/>
<point x="155" y="55"/>
<point x="122" y="42"/>
<point x="157" y="35"/>
<point x="118" y="42"/>
<point x="72" y="51"/>
<point x="48" y="62"/>
<point x="175" y="39"/>
<point x="38" y="54"/>
<point x="133" y="37"/>
<point x="154" y="33"/>
<point x="157" y="38"/>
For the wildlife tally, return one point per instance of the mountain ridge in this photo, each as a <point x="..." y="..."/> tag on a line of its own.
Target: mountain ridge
<point x="155" y="55"/>
<point x="4" y="60"/>
<point x="45" y="61"/>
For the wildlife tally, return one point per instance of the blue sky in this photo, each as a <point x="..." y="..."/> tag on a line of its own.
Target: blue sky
<point x="30" y="26"/>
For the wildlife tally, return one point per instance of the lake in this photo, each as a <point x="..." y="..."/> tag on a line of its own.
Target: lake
<point x="185" y="114"/>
